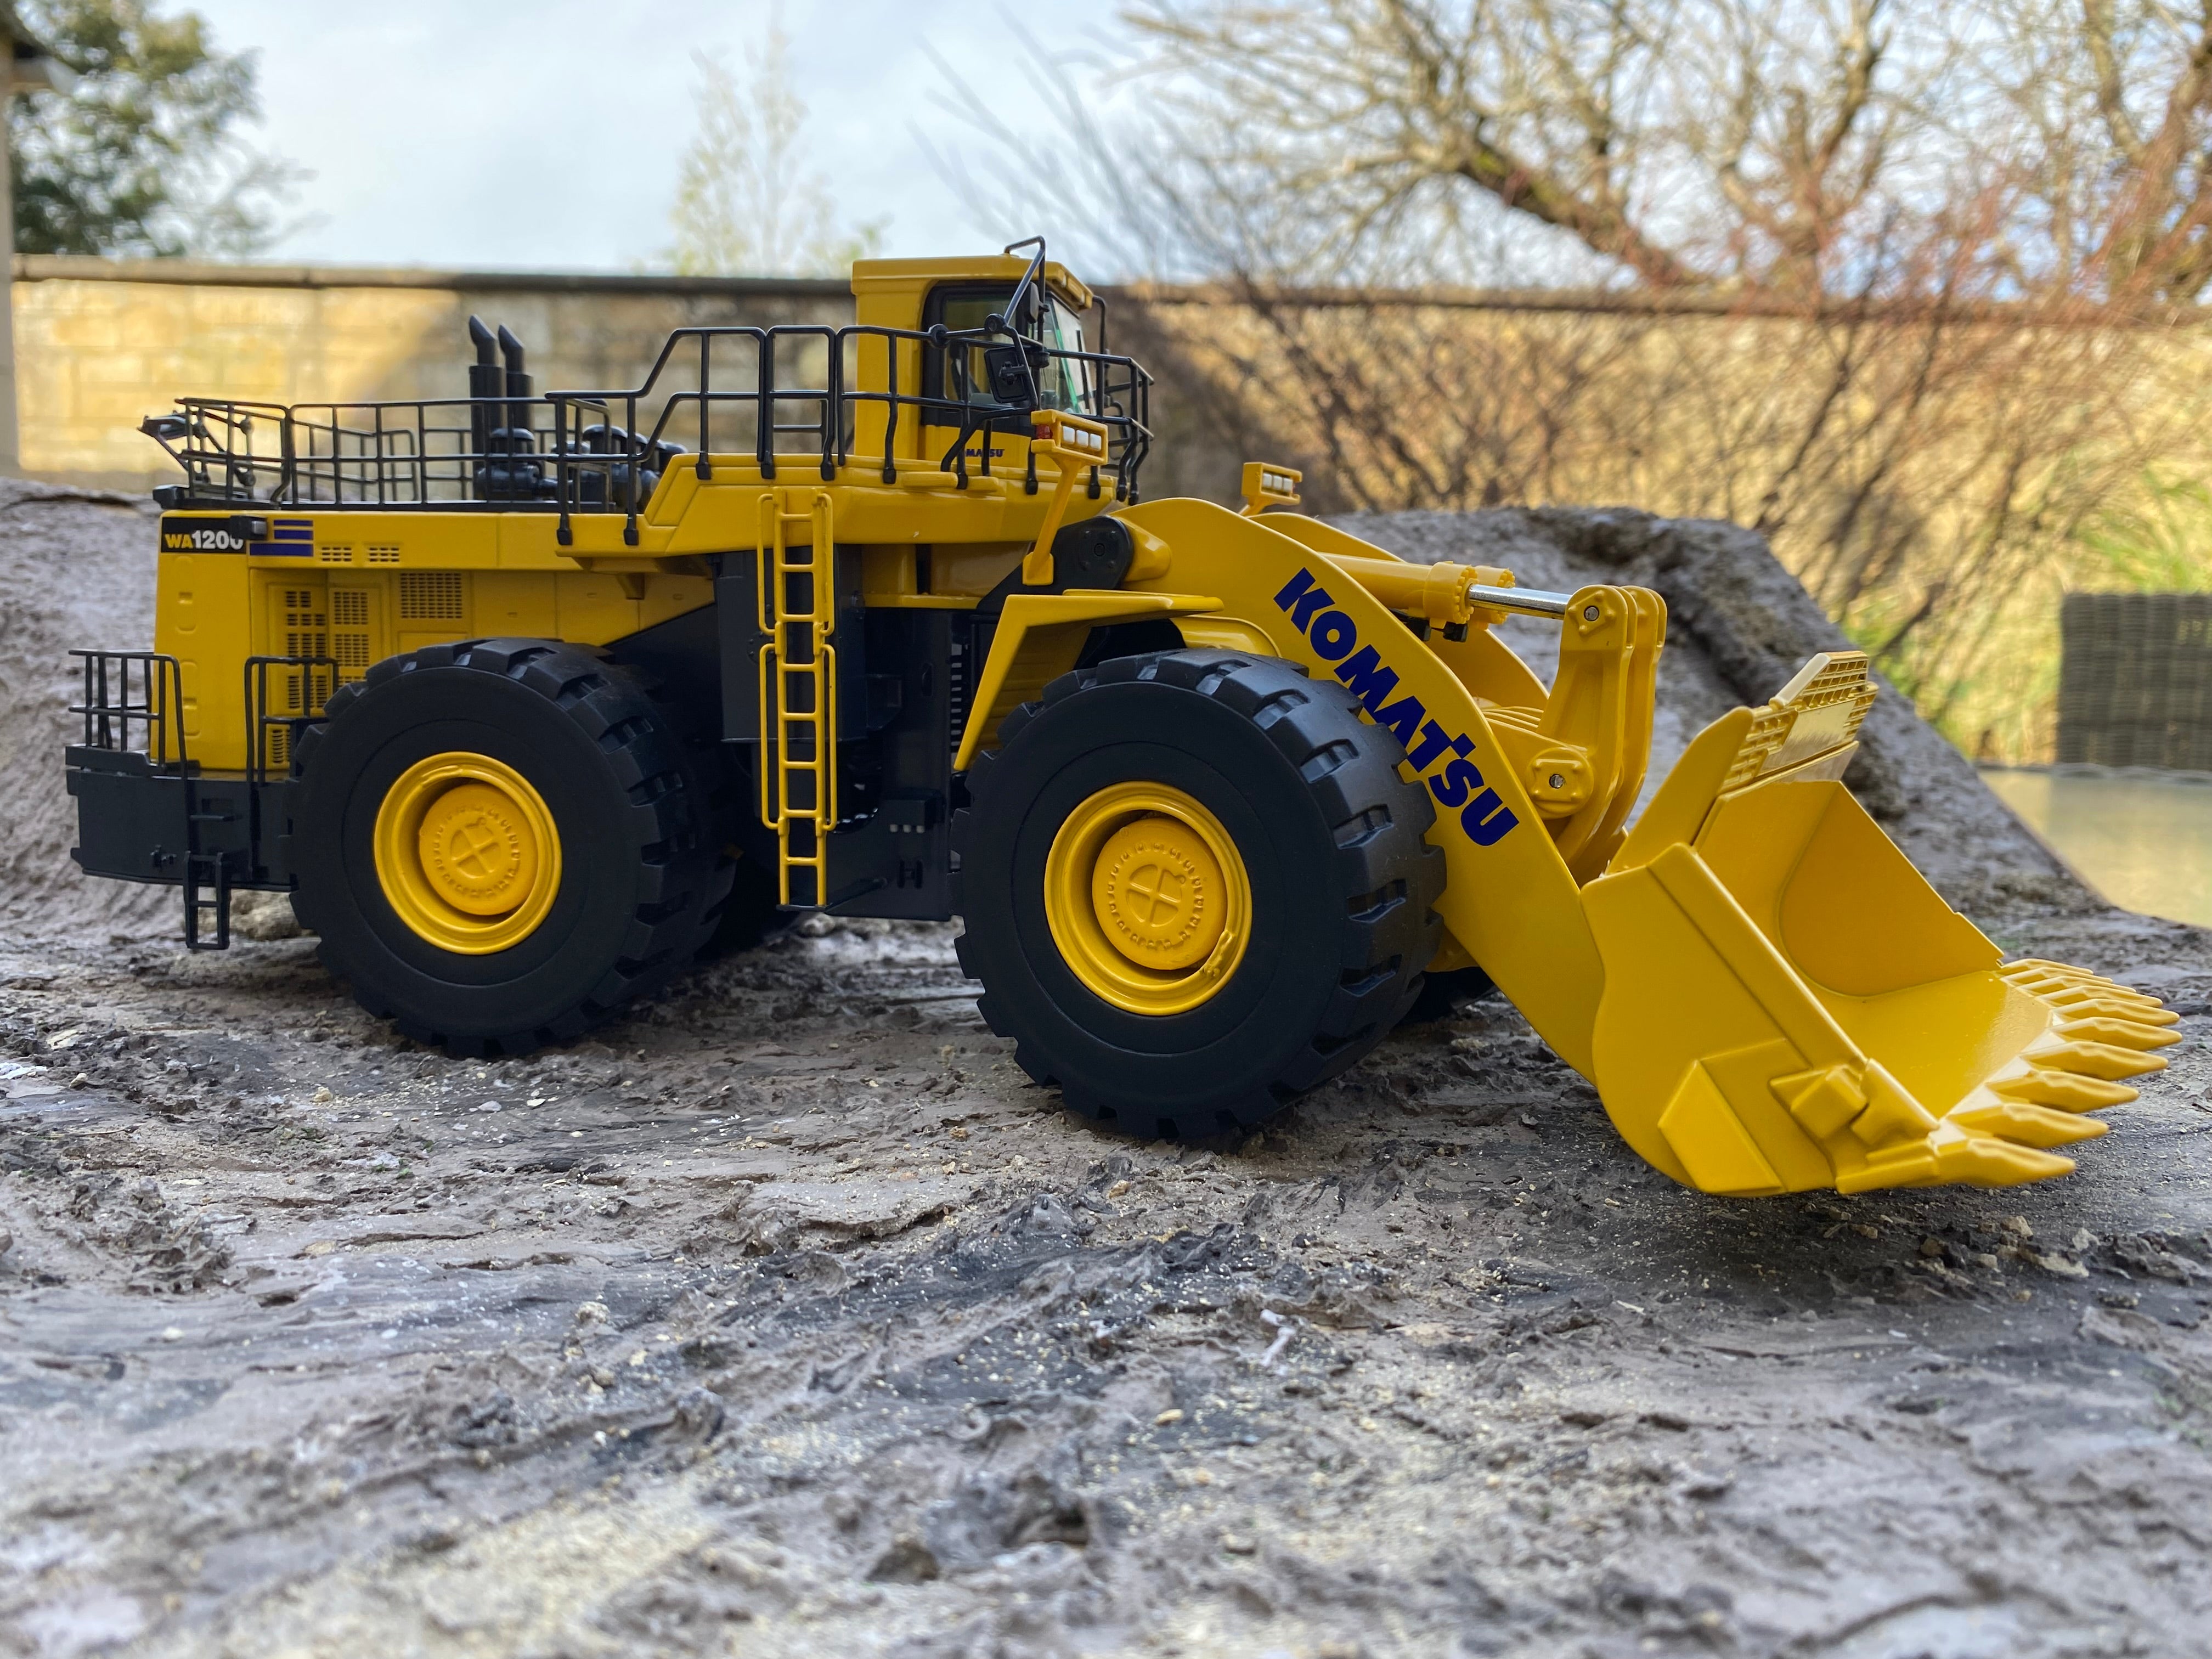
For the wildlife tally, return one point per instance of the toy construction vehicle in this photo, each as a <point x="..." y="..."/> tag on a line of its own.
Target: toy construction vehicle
<point x="530" y="699"/>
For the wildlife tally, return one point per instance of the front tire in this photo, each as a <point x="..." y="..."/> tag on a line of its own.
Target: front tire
<point x="1193" y="886"/>
<point x="502" y="841"/>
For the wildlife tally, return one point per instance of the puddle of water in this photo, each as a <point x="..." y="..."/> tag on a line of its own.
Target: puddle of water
<point x="2143" y="839"/>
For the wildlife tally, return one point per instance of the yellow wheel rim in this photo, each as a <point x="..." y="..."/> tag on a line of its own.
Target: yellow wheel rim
<point x="466" y="853"/>
<point x="1148" y="898"/>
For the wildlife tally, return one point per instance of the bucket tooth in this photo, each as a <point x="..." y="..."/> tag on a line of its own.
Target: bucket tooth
<point x="1894" y="1142"/>
<point x="1953" y="1155"/>
<point x="2024" y="1124"/>
<point x="2069" y="1091"/>
<point x="2056" y="1053"/>
<point x="2084" y="1004"/>
<point x="2118" y="1033"/>
<point x="1976" y="1160"/>
<point x="2076" y="989"/>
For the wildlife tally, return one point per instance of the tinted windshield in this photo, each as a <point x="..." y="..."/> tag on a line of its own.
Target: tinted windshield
<point x="1061" y="384"/>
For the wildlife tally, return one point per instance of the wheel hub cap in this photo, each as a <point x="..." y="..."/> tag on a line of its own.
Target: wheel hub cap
<point x="478" y="850"/>
<point x="467" y="854"/>
<point x="1148" y="898"/>
<point x="1157" y="891"/>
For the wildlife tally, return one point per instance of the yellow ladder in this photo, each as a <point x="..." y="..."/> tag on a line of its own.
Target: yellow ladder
<point x="798" y="687"/>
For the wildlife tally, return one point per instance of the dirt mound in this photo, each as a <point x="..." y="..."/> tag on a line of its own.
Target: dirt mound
<point x="1738" y="626"/>
<point x="76" y="569"/>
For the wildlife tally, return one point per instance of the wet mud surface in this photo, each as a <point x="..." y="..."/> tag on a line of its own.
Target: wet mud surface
<point x="788" y="1318"/>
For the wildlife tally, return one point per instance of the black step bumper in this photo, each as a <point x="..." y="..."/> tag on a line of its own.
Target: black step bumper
<point x="206" y="832"/>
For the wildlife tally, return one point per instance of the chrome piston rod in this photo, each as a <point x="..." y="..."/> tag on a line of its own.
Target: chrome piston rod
<point x="1529" y="601"/>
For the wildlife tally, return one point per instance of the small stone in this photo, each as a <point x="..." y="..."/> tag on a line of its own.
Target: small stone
<point x="1236" y="1543"/>
<point x="1704" y="1487"/>
<point x="1117" y="1189"/>
<point x="2017" y="1226"/>
<point x="591" y="1313"/>
<point x="956" y="1133"/>
<point x="1866" y="1229"/>
<point x="82" y="1080"/>
<point x="2065" y="1268"/>
<point x="7" y="1241"/>
<point x="323" y="1097"/>
<point x="638" y="1358"/>
<point x="172" y="1333"/>
<point x="1932" y="1247"/>
<point x="1172" y="1414"/>
<point x="2083" y="1240"/>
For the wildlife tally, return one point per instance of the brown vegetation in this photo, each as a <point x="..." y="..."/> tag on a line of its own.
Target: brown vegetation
<point x="1911" y="289"/>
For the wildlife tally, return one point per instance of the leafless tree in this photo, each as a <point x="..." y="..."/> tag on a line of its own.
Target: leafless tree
<point x="747" y="202"/>
<point x="1897" y="284"/>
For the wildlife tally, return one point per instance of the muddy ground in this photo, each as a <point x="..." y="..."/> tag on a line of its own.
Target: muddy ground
<point x="788" y="1318"/>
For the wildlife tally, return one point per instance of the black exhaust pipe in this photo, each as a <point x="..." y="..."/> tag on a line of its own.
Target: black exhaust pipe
<point x="519" y="391"/>
<point x="485" y="381"/>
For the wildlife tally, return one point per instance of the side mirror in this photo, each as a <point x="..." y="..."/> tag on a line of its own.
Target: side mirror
<point x="1013" y="372"/>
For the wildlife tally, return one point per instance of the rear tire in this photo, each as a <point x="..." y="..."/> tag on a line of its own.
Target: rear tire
<point x="1338" y="884"/>
<point x="641" y="874"/>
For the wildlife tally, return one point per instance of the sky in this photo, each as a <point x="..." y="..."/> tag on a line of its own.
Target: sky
<point x="495" y="134"/>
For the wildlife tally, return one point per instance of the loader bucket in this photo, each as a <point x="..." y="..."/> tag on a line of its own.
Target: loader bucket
<point x="1789" y="1005"/>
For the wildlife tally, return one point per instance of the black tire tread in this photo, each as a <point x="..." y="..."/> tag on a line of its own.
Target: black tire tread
<point x="1389" y="889"/>
<point x="684" y="875"/>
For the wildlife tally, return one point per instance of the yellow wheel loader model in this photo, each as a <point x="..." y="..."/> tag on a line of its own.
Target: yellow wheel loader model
<point x="530" y="699"/>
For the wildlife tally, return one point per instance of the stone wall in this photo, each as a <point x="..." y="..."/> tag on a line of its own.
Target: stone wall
<point x="103" y="343"/>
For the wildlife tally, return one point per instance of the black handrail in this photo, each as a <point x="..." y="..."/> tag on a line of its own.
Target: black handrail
<point x="315" y="691"/>
<point x="426" y="452"/>
<point x="110" y="708"/>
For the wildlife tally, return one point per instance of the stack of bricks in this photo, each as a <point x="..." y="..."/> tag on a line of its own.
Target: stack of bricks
<point x="2134" y="685"/>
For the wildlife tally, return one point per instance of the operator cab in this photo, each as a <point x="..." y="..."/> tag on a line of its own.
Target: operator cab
<point x="1039" y="314"/>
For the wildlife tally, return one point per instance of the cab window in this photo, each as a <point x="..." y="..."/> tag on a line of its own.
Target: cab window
<point x="1062" y="384"/>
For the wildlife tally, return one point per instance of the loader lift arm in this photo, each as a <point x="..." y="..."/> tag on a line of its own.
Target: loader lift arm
<point x="1765" y="994"/>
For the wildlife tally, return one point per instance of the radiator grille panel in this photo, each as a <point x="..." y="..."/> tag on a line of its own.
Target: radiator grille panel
<point x="429" y="596"/>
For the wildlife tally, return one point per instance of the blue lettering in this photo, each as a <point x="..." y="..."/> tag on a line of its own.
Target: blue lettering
<point x="1486" y="819"/>
<point x="1434" y="741"/>
<point x="1301" y="598"/>
<point x="1461" y="777"/>
<point x="1401" y="717"/>
<point x="1364" y="675"/>
<point x="1332" y="634"/>
<point x="1362" y="672"/>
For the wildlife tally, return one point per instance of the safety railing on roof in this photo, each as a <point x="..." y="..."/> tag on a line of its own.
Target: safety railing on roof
<point x="785" y="396"/>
